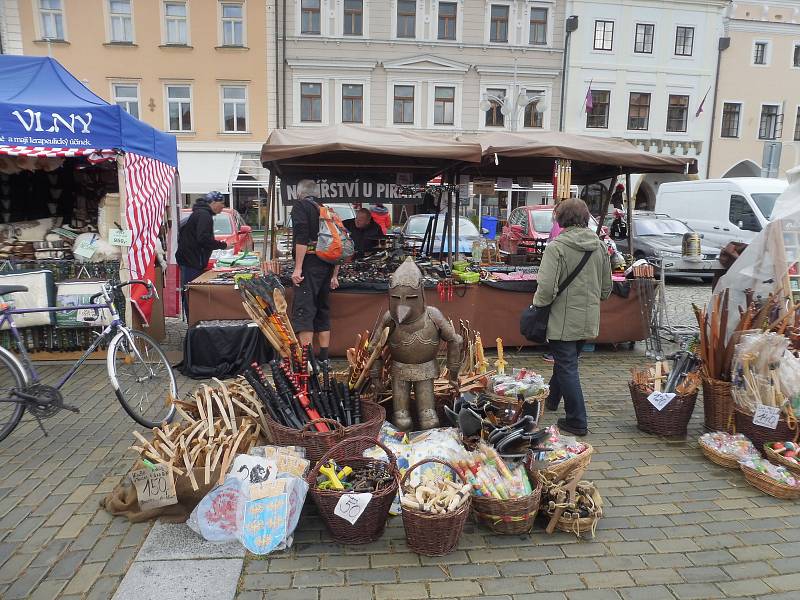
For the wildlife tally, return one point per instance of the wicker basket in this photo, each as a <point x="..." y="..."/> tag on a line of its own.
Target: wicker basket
<point x="763" y="435"/>
<point x="780" y="460"/>
<point x="429" y="534"/>
<point x="370" y="525"/>
<point x="509" y="517"/>
<point x="723" y="460"/>
<point x="583" y="524"/>
<point x="563" y="469"/>
<point x="769" y="486"/>
<point x="318" y="443"/>
<point x="671" y="421"/>
<point x="717" y="405"/>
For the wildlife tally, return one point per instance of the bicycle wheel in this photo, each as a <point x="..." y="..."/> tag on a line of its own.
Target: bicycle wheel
<point x="10" y="412"/>
<point x="143" y="379"/>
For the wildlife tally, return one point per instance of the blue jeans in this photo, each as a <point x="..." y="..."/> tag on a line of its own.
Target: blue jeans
<point x="566" y="382"/>
<point x="187" y="274"/>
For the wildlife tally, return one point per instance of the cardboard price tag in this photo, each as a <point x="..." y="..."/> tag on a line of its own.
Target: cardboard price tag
<point x="120" y="237"/>
<point x="351" y="506"/>
<point x="660" y="399"/>
<point x="154" y="487"/>
<point x="767" y="416"/>
<point x="85" y="248"/>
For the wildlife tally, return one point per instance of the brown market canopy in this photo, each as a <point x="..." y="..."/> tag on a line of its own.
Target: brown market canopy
<point x="531" y="154"/>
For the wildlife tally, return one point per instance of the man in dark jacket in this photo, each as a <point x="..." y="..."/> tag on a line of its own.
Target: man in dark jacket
<point x="364" y="231"/>
<point x="196" y="239"/>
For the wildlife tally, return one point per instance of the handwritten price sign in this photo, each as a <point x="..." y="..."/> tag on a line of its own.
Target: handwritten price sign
<point x="351" y="506"/>
<point x="660" y="399"/>
<point x="767" y="416"/>
<point x="154" y="487"/>
<point x="120" y="237"/>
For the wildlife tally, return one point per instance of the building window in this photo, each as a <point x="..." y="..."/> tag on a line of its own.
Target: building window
<point x="232" y="24"/>
<point x="498" y="27"/>
<point x="404" y="104"/>
<point x="768" y="126"/>
<point x="234" y="108"/>
<point x="538" y="27"/>
<point x="597" y="115"/>
<point x="677" y="113"/>
<point x="310" y="17"/>
<point x="684" y="41"/>
<point x="444" y="106"/>
<point x="121" y="20"/>
<point x="126" y="95"/>
<point x="179" y="104"/>
<point x="760" y="53"/>
<point x="731" y="112"/>
<point x="532" y="118"/>
<point x="603" y="35"/>
<point x="639" y="111"/>
<point x="406" y="18"/>
<point x="352" y="103"/>
<point x="311" y="102"/>
<point x="448" y="15"/>
<point x="353" y="17"/>
<point x="494" y="116"/>
<point x="796" y="56"/>
<point x="175" y="17"/>
<point x="643" y="44"/>
<point x="51" y="19"/>
<point x="797" y="125"/>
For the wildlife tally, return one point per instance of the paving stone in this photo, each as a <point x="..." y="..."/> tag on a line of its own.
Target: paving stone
<point x="608" y="579"/>
<point x="175" y="541"/>
<point x="47" y="590"/>
<point x="711" y="557"/>
<point x="507" y="585"/>
<point x="83" y="579"/>
<point x="318" y="579"/>
<point x="304" y="594"/>
<point x="357" y="561"/>
<point x="523" y="568"/>
<point x="103" y="588"/>
<point x="473" y="571"/>
<point x="305" y="563"/>
<point x="351" y="592"/>
<point x="24" y="585"/>
<point x="696" y="591"/>
<point x="119" y="562"/>
<point x="405" y="559"/>
<point x="558" y="583"/>
<point x="593" y="595"/>
<point x="14" y="567"/>
<point x="784" y="583"/>
<point x="745" y="587"/>
<point x="655" y="576"/>
<point x="619" y="563"/>
<point x="410" y="591"/>
<point x="573" y="565"/>
<point x="357" y="576"/>
<point x="195" y="579"/>
<point x="648" y="592"/>
<point x="266" y="581"/>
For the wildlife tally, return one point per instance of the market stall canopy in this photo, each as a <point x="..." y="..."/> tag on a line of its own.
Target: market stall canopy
<point x="202" y="172"/>
<point x="43" y="106"/>
<point x="531" y="154"/>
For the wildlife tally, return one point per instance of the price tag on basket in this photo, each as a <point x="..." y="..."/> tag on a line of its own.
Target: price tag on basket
<point x="120" y="237"/>
<point x="767" y="416"/>
<point x="351" y="506"/>
<point x="154" y="487"/>
<point x="660" y="399"/>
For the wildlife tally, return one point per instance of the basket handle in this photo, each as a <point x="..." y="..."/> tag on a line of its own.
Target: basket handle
<point x="349" y="441"/>
<point x="336" y="426"/>
<point x="430" y="460"/>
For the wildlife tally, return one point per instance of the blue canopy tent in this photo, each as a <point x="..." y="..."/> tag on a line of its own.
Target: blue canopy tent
<point x="45" y="112"/>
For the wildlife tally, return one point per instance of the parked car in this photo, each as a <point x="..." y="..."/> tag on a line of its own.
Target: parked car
<point x="284" y="243"/>
<point x="528" y="228"/>
<point x="229" y="227"/>
<point x="414" y="231"/>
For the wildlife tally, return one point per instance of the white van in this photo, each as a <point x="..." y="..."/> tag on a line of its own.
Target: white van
<point x="723" y="210"/>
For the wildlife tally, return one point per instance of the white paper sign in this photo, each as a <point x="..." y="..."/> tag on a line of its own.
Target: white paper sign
<point x="767" y="416"/>
<point x="154" y="487"/>
<point x="350" y="506"/>
<point x="660" y="399"/>
<point x="85" y="248"/>
<point x="120" y="237"/>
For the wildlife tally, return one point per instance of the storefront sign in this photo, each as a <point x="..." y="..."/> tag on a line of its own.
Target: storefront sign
<point x="483" y="186"/>
<point x="391" y="189"/>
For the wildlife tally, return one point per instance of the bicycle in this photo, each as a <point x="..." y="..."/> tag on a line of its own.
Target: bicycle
<point x="138" y="369"/>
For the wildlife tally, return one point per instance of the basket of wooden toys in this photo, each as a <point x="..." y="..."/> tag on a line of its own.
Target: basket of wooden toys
<point x="727" y="449"/>
<point x="573" y="505"/>
<point x="434" y="508"/>
<point x="786" y="454"/>
<point x="354" y="494"/>
<point x="775" y="480"/>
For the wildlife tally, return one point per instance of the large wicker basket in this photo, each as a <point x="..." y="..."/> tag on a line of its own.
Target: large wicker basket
<point x="763" y="435"/>
<point x="717" y="457"/>
<point x="563" y="469"/>
<point x="318" y="443"/>
<point x="509" y="517"/>
<point x="769" y="486"/>
<point x="717" y="405"/>
<point x="671" y="421"/>
<point x="429" y="534"/>
<point x="370" y="525"/>
<point x="780" y="460"/>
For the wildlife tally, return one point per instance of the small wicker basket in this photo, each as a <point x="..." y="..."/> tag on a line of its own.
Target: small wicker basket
<point x="717" y="457"/>
<point x="762" y="435"/>
<point x="768" y="485"/>
<point x="671" y="421"/>
<point x="717" y="405"/>
<point x="780" y="460"/>
<point x="563" y="469"/>
<point x="508" y="517"/>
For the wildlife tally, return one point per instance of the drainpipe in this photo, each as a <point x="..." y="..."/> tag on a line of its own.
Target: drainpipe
<point x="283" y="64"/>
<point x="277" y="73"/>
<point x="724" y="44"/>
<point x="571" y="25"/>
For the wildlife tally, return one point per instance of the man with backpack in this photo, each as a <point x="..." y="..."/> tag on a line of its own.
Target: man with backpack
<point x="315" y="273"/>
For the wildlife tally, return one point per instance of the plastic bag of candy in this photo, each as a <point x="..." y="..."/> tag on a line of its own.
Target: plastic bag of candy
<point x="777" y="472"/>
<point x="733" y="445"/>
<point x="525" y="382"/>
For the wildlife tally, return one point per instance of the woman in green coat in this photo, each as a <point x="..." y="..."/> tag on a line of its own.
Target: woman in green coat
<point x="575" y="313"/>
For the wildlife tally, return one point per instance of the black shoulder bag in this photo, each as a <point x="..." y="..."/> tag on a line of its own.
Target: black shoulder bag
<point x="533" y="322"/>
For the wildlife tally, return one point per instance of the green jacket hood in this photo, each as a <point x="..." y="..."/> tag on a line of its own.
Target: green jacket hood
<point x="578" y="238"/>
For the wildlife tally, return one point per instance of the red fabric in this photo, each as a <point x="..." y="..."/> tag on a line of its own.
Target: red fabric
<point x="384" y="220"/>
<point x="144" y="307"/>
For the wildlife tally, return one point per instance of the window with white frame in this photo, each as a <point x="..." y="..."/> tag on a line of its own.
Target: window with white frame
<point x="403" y="109"/>
<point x="495" y="116"/>
<point x="353" y="17"/>
<point x="176" y="20"/>
<point x="796" y="55"/>
<point x="234" y="108"/>
<point x="126" y="95"/>
<point x="639" y="111"/>
<point x="179" y="107"/>
<point x="232" y="14"/>
<point x="498" y="23"/>
<point x="538" y="26"/>
<point x="51" y="19"/>
<point x="603" y="35"/>
<point x="444" y="105"/>
<point x="406" y="18"/>
<point x="768" y="124"/>
<point x="533" y="118"/>
<point x="677" y="113"/>
<point x="448" y="18"/>
<point x="797" y="125"/>
<point x="684" y="41"/>
<point x="731" y="113"/>
<point x="352" y="103"/>
<point x="310" y="102"/>
<point x="643" y="42"/>
<point x="760" y="53"/>
<point x="121" y="21"/>
<point x="310" y="17"/>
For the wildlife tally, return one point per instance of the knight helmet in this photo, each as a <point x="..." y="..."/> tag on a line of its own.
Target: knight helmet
<point x="406" y="293"/>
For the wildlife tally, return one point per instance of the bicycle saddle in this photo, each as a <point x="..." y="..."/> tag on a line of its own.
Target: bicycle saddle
<point x="10" y="289"/>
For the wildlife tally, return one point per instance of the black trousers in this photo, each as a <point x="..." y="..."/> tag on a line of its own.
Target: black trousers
<point x="566" y="381"/>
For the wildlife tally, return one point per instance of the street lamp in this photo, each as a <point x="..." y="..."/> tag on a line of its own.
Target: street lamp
<point x="516" y="101"/>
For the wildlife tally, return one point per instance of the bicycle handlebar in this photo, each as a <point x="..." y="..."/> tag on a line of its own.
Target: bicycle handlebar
<point x="151" y="291"/>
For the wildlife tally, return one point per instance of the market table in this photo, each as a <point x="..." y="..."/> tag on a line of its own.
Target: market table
<point x="493" y="312"/>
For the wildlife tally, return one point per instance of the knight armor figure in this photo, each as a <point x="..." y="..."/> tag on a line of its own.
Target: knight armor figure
<point x="415" y="331"/>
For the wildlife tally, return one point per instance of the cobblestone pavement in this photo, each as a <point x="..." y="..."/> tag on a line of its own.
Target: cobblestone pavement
<point x="680" y="295"/>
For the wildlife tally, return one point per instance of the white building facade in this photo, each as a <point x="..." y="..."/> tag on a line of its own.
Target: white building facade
<point x="644" y="70"/>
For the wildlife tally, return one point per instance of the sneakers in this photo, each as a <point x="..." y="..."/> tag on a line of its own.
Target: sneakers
<point x="564" y="426"/>
<point x="548" y="358"/>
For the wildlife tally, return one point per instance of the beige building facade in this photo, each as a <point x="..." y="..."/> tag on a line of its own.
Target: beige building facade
<point x="757" y="113"/>
<point x="195" y="68"/>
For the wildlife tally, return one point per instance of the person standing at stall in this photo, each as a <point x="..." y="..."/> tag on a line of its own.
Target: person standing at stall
<point x="575" y="312"/>
<point x="196" y="241"/>
<point x="364" y="231"/>
<point x="380" y="214"/>
<point x="313" y="278"/>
